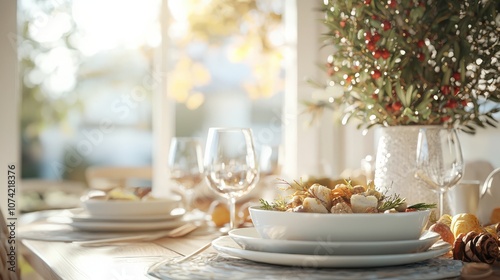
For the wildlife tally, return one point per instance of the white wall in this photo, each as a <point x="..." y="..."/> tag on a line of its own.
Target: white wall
<point x="9" y="102"/>
<point x="484" y="145"/>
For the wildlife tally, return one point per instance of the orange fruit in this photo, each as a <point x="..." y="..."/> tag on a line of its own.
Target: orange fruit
<point x="219" y="213"/>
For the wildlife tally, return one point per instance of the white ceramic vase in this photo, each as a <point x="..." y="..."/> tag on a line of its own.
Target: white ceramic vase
<point x="396" y="164"/>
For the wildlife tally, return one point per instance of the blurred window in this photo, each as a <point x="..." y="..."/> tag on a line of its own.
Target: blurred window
<point x="88" y="75"/>
<point x="225" y="63"/>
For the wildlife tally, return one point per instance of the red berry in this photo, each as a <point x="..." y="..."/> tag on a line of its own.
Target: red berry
<point x="457" y="76"/>
<point x="342" y="23"/>
<point x="456" y="91"/>
<point x="464" y="103"/>
<point x="377" y="54"/>
<point x="368" y="2"/>
<point x="445" y="90"/>
<point x="396" y="106"/>
<point x="386" y="25"/>
<point x="445" y="118"/>
<point x="376" y="74"/>
<point x="375" y="96"/>
<point x="385" y="54"/>
<point x="420" y="43"/>
<point x="375" y="38"/>
<point x="392" y="3"/>
<point x="421" y="57"/>
<point x="452" y="104"/>
<point x="368" y="36"/>
<point x="371" y="46"/>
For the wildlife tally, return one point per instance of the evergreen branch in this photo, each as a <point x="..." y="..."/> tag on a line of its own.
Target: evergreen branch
<point x="422" y="206"/>
<point x="393" y="201"/>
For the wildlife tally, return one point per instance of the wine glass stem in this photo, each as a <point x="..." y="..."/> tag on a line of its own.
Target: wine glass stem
<point x="232" y="212"/>
<point x="188" y="193"/>
<point x="441" y="204"/>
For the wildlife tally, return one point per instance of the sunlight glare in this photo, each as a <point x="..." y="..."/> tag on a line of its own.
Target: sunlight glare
<point x="107" y="24"/>
<point x="49" y="29"/>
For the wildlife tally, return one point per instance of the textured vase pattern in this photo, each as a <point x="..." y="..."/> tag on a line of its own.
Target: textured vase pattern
<point x="396" y="164"/>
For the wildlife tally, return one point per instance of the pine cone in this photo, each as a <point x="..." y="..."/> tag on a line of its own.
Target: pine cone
<point x="493" y="230"/>
<point x="476" y="247"/>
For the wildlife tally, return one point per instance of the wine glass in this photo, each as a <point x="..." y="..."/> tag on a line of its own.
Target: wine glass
<point x="439" y="160"/>
<point x="231" y="164"/>
<point x="270" y="168"/>
<point x="186" y="166"/>
<point x="269" y="160"/>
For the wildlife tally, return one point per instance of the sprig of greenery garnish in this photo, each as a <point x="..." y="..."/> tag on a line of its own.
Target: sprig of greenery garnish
<point x="265" y="205"/>
<point x="391" y="202"/>
<point x="296" y="185"/>
<point x="278" y="204"/>
<point x="422" y="206"/>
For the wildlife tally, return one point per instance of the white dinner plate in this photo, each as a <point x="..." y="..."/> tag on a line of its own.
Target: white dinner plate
<point x="249" y="239"/>
<point x="81" y="215"/>
<point x="226" y="244"/>
<point x="126" y="226"/>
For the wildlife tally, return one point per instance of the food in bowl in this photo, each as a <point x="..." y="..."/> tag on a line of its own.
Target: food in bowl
<point x="343" y="198"/>
<point x="124" y="202"/>
<point x="129" y="193"/>
<point x="344" y="213"/>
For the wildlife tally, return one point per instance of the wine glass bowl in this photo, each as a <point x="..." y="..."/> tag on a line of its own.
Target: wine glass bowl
<point x="439" y="160"/>
<point x="230" y="164"/>
<point x="185" y="161"/>
<point x="231" y="180"/>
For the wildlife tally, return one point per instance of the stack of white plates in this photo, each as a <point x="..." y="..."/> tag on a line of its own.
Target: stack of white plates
<point x="125" y="215"/>
<point x="246" y="243"/>
<point x="81" y="219"/>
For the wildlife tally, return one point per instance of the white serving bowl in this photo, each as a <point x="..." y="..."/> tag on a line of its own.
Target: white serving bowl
<point x="156" y="206"/>
<point x="338" y="227"/>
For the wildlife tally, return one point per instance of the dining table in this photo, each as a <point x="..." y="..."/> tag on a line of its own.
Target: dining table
<point x="128" y="260"/>
<point x="54" y="254"/>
